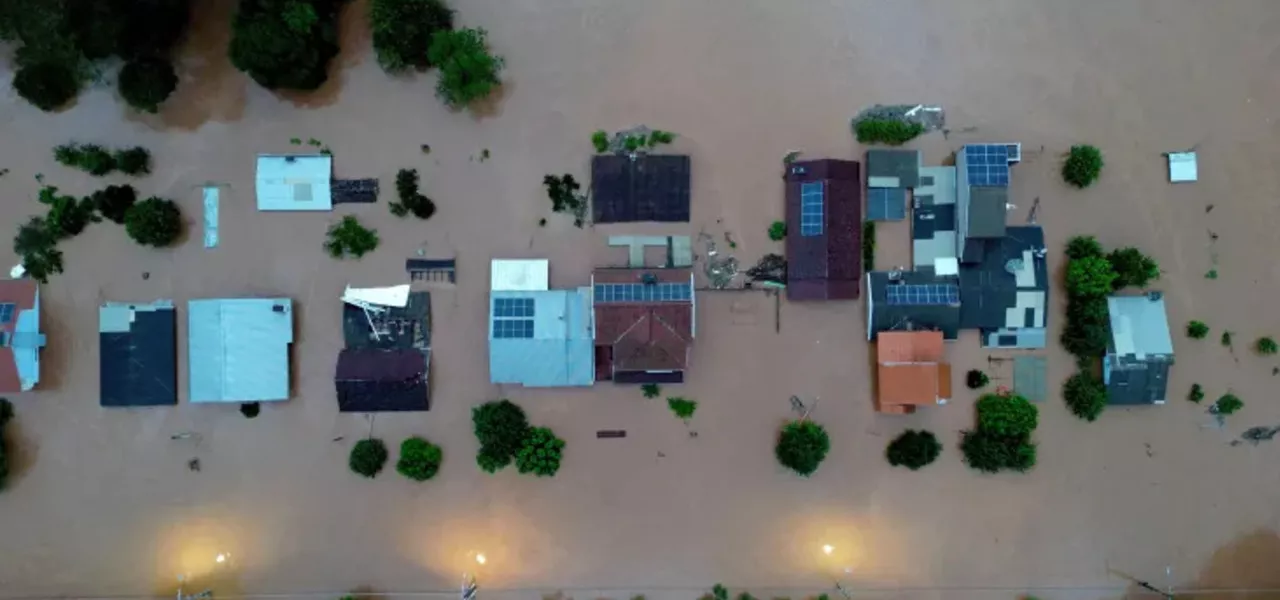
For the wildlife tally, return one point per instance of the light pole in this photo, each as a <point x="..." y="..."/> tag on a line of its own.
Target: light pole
<point x="828" y="549"/>
<point x="469" y="584"/>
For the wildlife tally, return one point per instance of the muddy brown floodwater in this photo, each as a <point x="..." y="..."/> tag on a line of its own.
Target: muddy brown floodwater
<point x="102" y="502"/>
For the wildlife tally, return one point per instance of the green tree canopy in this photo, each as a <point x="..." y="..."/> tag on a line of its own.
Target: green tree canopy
<point x="468" y="70"/>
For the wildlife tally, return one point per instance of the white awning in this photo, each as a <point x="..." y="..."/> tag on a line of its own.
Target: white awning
<point x="397" y="296"/>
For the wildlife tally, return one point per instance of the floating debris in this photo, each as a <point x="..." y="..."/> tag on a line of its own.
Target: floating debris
<point x="1256" y="435"/>
<point x="772" y="268"/>
<point x="426" y="148"/>
<point x="720" y="270"/>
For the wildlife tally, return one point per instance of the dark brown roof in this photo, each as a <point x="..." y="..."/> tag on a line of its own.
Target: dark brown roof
<point x="646" y="336"/>
<point x="21" y="293"/>
<point x="826" y="266"/>
<point x="645" y="188"/>
<point x="375" y="380"/>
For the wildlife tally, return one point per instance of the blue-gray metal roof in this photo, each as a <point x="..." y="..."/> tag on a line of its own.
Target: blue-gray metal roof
<point x="560" y="352"/>
<point x="295" y="182"/>
<point x="1139" y="326"/>
<point x="239" y="349"/>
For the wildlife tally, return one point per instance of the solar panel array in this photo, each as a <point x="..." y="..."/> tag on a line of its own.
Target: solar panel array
<point x="811" y="208"/>
<point x="987" y="164"/>
<point x="886" y="204"/>
<point x="923" y="295"/>
<point x="639" y="292"/>
<point x="6" y="312"/>
<point x="512" y="318"/>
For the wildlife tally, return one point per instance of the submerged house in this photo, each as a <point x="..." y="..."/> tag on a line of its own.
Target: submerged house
<point x="138" y="354"/>
<point x="238" y="349"/>
<point x="910" y="371"/>
<point x="386" y="363"/>
<point x="20" y="337"/>
<point x="645" y="324"/>
<point x="538" y="337"/>
<point x="1140" y="352"/>
<point x="294" y="182"/>
<point x="824" y="229"/>
<point x="643" y="187"/>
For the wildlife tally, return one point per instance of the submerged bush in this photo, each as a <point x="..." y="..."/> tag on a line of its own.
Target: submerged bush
<point x="1197" y="330"/>
<point x="133" y="161"/>
<point x="893" y="132"/>
<point x="367" y="457"/>
<point x="90" y="158"/>
<point x="1266" y="346"/>
<point x="48" y="86"/>
<point x="419" y="459"/>
<point x="1085" y="395"/>
<point x="1083" y="165"/>
<point x="285" y="44"/>
<point x="540" y="453"/>
<point x="403" y="29"/>
<point x="154" y="222"/>
<point x="1227" y="404"/>
<point x="411" y="201"/>
<point x="777" y="231"/>
<point x="802" y="446"/>
<point x="1084" y="246"/>
<point x="468" y="70"/>
<point x="1132" y="268"/>
<point x="975" y="379"/>
<point x="114" y="201"/>
<point x="913" y="449"/>
<point x="682" y="407"/>
<point x="500" y="427"/>
<point x="147" y="82"/>
<point x="1007" y="414"/>
<point x="37" y="244"/>
<point x="600" y="139"/>
<point x="67" y="216"/>
<point x="991" y="452"/>
<point x="348" y="238"/>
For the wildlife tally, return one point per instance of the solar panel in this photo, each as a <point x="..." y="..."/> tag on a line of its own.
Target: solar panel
<point x="987" y="164"/>
<point x="639" y="292"/>
<point x="513" y="307"/>
<point x="811" y="208"/>
<point x="923" y="295"/>
<point x="512" y="328"/>
<point x="6" y="312"/>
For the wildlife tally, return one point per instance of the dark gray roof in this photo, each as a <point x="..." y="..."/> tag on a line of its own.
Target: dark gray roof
<point x="902" y="165"/>
<point x="381" y="380"/>
<point x="886" y="317"/>
<point x="988" y="290"/>
<point x="927" y="220"/>
<point x="987" y="212"/>
<point x="408" y="327"/>
<point x="1139" y="383"/>
<point x="647" y="188"/>
<point x="138" y="362"/>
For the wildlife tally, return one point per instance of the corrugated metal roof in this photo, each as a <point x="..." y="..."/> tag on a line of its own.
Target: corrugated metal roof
<point x="239" y="349"/>
<point x="295" y="182"/>
<point x="560" y="353"/>
<point x="1139" y="326"/>
<point x="510" y="275"/>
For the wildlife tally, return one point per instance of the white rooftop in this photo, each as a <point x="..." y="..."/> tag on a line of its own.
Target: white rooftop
<point x="397" y="296"/>
<point x="1182" y="167"/>
<point x="519" y="275"/>
<point x="294" y="182"/>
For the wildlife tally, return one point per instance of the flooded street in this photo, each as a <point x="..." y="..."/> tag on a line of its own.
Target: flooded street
<point x="101" y="502"/>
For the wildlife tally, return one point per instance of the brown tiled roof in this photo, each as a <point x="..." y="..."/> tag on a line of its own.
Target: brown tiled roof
<point x="646" y="337"/>
<point x="910" y="370"/>
<point x="22" y="293"/>
<point x="826" y="266"/>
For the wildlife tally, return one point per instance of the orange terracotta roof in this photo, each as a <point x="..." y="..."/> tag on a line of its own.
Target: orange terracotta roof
<point x="910" y="370"/>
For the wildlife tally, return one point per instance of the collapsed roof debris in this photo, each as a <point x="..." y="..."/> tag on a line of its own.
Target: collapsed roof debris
<point x="720" y="270"/>
<point x="771" y="268"/>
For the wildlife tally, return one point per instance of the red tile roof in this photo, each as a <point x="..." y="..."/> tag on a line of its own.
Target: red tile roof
<point x="910" y="370"/>
<point x="645" y="336"/>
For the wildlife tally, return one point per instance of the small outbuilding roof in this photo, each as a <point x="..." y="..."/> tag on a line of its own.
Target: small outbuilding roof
<point x="239" y="349"/>
<point x="138" y="354"/>
<point x="294" y="182"/>
<point x="648" y="187"/>
<point x="1139" y="326"/>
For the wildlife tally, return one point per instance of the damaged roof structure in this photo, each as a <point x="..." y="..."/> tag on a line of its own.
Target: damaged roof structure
<point x="138" y="354"/>
<point x="824" y="239"/>
<point x="20" y="337"/>
<point x="538" y="337"/>
<point x="386" y="364"/>
<point x="645" y="324"/>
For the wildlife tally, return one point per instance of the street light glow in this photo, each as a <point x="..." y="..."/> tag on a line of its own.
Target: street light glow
<point x="828" y="549"/>
<point x="481" y="559"/>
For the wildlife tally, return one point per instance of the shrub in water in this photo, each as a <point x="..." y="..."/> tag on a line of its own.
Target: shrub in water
<point x="976" y="379"/>
<point x="468" y="70"/>
<point x="250" y="410"/>
<point x="1083" y="165"/>
<point x="419" y="459"/>
<point x="540" y="453"/>
<point x="285" y="44"/>
<point x="154" y="222"/>
<point x="1007" y="414"/>
<point x="1227" y="404"/>
<point x="600" y="139"/>
<point x="501" y="427"/>
<point x="777" y="231"/>
<point x="893" y="132"/>
<point x="1266" y="346"/>
<point x="1196" y="394"/>
<point x="1084" y="246"/>
<point x="368" y="457"/>
<point x="403" y="29"/>
<point x="1085" y="395"/>
<point x="802" y="446"/>
<point x="650" y="390"/>
<point x="1197" y="330"/>
<point x="350" y="239"/>
<point x="114" y="201"/>
<point x="133" y="161"/>
<point x="1132" y="268"/>
<point x="991" y="452"/>
<point x="913" y="449"/>
<point x="682" y="407"/>
<point x="48" y="86"/>
<point x="145" y="83"/>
